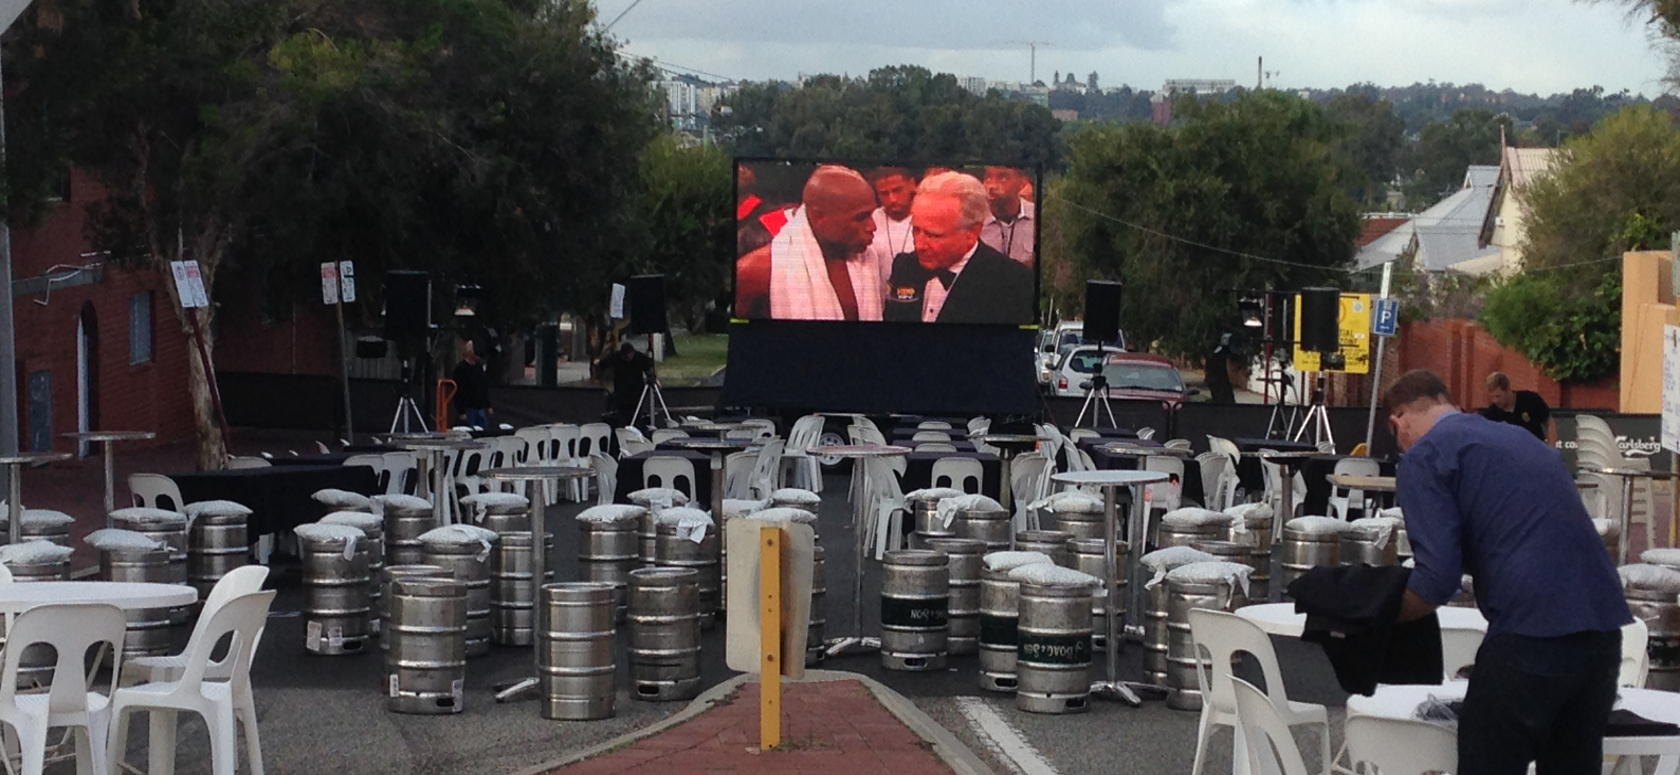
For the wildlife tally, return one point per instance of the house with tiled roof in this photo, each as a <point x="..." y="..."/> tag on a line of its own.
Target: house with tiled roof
<point x="1504" y="225"/>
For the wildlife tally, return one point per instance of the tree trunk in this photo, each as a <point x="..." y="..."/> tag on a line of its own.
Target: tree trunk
<point x="207" y="430"/>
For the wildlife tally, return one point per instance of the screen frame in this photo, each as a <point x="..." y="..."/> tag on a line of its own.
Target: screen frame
<point x="1036" y="170"/>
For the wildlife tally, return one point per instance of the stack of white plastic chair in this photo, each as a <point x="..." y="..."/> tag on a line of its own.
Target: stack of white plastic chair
<point x="802" y="470"/>
<point x="767" y="468"/>
<point x="1274" y="490"/>
<point x="886" y="507"/>
<point x="1217" y="475"/>
<point x="1029" y="482"/>
<point x="1596" y="447"/>
<point x="1342" y="500"/>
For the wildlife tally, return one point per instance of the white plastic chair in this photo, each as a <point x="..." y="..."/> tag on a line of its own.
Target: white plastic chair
<point x="961" y="473"/>
<point x="798" y="466"/>
<point x="606" y="476"/>
<point x="1213" y="466"/>
<point x="1458" y="649"/>
<point x="594" y="437"/>
<point x="220" y="703"/>
<point x="242" y="580"/>
<point x="663" y="435"/>
<point x="866" y="434"/>
<point x="885" y="499"/>
<point x="242" y="461"/>
<point x="627" y="433"/>
<point x="155" y="491"/>
<point x="1342" y="499"/>
<point x="931" y="436"/>
<point x="670" y="471"/>
<point x="1271" y="747"/>
<point x="1400" y="746"/>
<point x="401" y="472"/>
<point x="737" y="474"/>
<point x="1029" y="476"/>
<point x="563" y="451"/>
<point x="1223" y="636"/>
<point x="71" y="629"/>
<point x="933" y="425"/>
<point x="936" y="446"/>
<point x="1273" y="474"/>
<point x="1169" y="495"/>
<point x="979" y="425"/>
<point x="1080" y="434"/>
<point x="1635" y="659"/>
<point x="765" y="477"/>
<point x="1146" y="433"/>
<point x="634" y="447"/>
<point x="1177" y="444"/>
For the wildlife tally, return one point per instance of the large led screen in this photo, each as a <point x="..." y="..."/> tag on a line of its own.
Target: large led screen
<point x="886" y="243"/>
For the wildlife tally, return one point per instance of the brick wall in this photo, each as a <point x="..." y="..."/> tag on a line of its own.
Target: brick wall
<point x="149" y="396"/>
<point x="1464" y="354"/>
<point x="303" y="343"/>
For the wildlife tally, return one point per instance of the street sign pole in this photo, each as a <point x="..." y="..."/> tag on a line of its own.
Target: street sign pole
<point x="1377" y="369"/>
<point x="344" y="289"/>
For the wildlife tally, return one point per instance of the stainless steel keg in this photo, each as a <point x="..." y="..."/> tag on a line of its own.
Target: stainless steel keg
<point x="1000" y="615"/>
<point x="336" y="604"/>
<point x="607" y="552"/>
<point x="150" y="631"/>
<point x="512" y="590"/>
<point x="216" y="544"/>
<point x="1088" y="558"/>
<point x="703" y="557"/>
<point x="469" y="563"/>
<point x="1053" y="657"/>
<point x="915" y="604"/>
<point x="425" y="642"/>
<point x="963" y="617"/>
<point x="575" y="652"/>
<point x="1057" y="544"/>
<point x="989" y="525"/>
<point x="1183" y="595"/>
<point x="665" y="633"/>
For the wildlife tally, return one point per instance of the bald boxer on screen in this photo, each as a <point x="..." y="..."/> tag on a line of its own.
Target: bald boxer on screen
<point x="820" y="266"/>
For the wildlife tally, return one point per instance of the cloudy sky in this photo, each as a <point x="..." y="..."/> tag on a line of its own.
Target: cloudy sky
<point x="1540" y="46"/>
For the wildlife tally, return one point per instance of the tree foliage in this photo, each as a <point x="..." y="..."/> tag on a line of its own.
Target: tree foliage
<point x="688" y="228"/>
<point x="1615" y="190"/>
<point x="896" y="113"/>
<point x="486" y="141"/>
<point x="1435" y="164"/>
<point x="1253" y="179"/>
<point x="1372" y="141"/>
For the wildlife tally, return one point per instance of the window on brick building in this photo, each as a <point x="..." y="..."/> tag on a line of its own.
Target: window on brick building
<point x="140" y="327"/>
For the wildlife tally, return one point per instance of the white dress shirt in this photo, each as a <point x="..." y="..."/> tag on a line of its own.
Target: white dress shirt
<point x="893" y="237"/>
<point x="935" y="293"/>
<point x="1013" y="239"/>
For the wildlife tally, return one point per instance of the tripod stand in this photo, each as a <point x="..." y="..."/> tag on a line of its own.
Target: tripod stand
<point x="1096" y="402"/>
<point x="1318" y="417"/>
<point x="655" y="401"/>
<point x="406" y="404"/>
<point x="1278" y="413"/>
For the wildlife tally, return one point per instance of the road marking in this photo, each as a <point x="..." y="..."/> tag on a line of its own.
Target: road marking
<point x="1000" y="736"/>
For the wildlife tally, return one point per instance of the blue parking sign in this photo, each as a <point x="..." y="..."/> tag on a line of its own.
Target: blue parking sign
<point x="1386" y="318"/>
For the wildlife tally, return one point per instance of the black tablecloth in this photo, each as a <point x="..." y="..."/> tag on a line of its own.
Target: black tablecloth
<point x="279" y="496"/>
<point x="902" y="435"/>
<point x="1108" y="433"/>
<point x="630" y="474"/>
<point x="918" y="471"/>
<point x="1281" y="445"/>
<point x="329" y="459"/>
<point x="1191" y="489"/>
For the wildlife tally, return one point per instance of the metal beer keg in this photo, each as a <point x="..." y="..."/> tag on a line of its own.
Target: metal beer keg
<point x="575" y="662"/>
<point x="963" y="617"/>
<point x="915" y="604"/>
<point x="425" y="641"/>
<point x="1216" y="586"/>
<point x="335" y="585"/>
<point x="1088" y="559"/>
<point x="665" y="633"/>
<point x="1053" y="655"/>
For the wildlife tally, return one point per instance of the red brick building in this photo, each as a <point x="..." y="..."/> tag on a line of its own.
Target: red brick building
<point x="98" y="346"/>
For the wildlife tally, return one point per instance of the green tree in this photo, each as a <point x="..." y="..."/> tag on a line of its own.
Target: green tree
<point x="488" y="141"/>
<point x="1436" y="163"/>
<point x="688" y="231"/>
<point x="1614" y="190"/>
<point x="1373" y="140"/>
<point x="1185" y="215"/>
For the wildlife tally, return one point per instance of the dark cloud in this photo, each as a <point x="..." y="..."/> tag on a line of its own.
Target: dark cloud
<point x="973" y="24"/>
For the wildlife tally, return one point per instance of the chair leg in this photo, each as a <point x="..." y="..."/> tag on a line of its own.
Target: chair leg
<point x="1204" y="728"/>
<point x="253" y="748"/>
<point x="32" y="740"/>
<point x="160" y="748"/>
<point x="224" y="748"/>
<point x="1324" y="749"/>
<point x="88" y="761"/>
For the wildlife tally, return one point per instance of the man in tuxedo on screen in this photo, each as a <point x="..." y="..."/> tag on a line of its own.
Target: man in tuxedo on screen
<point x="821" y="265"/>
<point x="953" y="277"/>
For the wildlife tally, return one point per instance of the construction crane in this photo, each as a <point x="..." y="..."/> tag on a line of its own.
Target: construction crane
<point x="1032" y="46"/>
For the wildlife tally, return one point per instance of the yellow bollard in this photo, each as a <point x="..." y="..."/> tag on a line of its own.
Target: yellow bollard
<point x="770" y="637"/>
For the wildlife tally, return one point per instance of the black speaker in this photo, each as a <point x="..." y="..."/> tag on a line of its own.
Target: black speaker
<point x="1102" y="310"/>
<point x="408" y="304"/>
<point x="647" y="304"/>
<point x="1320" y="308"/>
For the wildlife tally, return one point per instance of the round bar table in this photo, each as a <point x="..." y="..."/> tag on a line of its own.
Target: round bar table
<point x="1009" y="445"/>
<point x="14" y="499"/>
<point x="1628" y="475"/>
<point x="1111" y="480"/>
<point x="536" y="475"/>
<point x="106" y="439"/>
<point x="1382" y="484"/>
<point x="434" y="446"/>
<point x="857" y="643"/>
<point x="127" y="595"/>
<point x="1282" y="620"/>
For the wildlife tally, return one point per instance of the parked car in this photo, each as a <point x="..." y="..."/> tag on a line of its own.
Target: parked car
<point x="1077" y="366"/>
<point x="1144" y="377"/>
<point x="1054" y="344"/>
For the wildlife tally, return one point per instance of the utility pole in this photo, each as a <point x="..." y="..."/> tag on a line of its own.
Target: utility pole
<point x="1259" y="73"/>
<point x="1032" y="48"/>
<point x="9" y="10"/>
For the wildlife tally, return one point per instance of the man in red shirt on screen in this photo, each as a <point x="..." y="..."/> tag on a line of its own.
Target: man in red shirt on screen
<point x="820" y="266"/>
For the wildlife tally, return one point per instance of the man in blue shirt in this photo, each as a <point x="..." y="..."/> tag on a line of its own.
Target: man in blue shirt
<point x="1490" y="500"/>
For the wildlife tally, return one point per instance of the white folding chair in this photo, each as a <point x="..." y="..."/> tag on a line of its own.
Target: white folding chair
<point x="1400" y="746"/>
<point x="1271" y="748"/>
<point x="670" y="471"/>
<point x="241" y="461"/>
<point x="1224" y="636"/>
<point x="1635" y="659"/>
<point x="220" y="703"/>
<point x="606" y="476"/>
<point x="1458" y="649"/>
<point x="594" y="437"/>
<point x="155" y="491"/>
<point x="1343" y="499"/>
<point x="71" y="629"/>
<point x="961" y="473"/>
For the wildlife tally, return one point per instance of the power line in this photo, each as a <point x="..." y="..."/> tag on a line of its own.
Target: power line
<point x="621" y="14"/>
<point x="1193" y="243"/>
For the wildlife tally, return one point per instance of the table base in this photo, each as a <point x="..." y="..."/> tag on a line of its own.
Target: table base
<point x="518" y="691"/>
<point x="852" y="645"/>
<point x="1129" y="692"/>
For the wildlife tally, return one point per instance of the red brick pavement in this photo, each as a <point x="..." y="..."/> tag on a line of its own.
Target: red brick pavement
<point x="828" y="728"/>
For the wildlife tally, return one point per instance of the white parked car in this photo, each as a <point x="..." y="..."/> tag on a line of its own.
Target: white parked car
<point x="1077" y="367"/>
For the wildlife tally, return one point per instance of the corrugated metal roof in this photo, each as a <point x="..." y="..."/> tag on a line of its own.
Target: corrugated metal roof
<point x="1526" y="164"/>
<point x="1447" y="233"/>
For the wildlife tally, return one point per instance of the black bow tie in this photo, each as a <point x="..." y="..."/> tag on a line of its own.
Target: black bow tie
<point x="944" y="276"/>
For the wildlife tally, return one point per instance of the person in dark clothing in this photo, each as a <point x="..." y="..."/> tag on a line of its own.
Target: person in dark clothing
<point x="632" y="371"/>
<point x="1491" y="500"/>
<point x="1523" y="408"/>
<point x="472" y="387"/>
<point x="1218" y="372"/>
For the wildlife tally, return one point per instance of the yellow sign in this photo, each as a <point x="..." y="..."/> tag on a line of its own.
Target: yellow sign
<point x="1354" y="321"/>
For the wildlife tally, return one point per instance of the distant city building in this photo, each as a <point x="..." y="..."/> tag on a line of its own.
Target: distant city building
<point x="682" y="100"/>
<point x="1091" y="83"/>
<point x="1065" y="115"/>
<point x="1198" y="86"/>
<point x="1160" y="108"/>
<point x="974" y="84"/>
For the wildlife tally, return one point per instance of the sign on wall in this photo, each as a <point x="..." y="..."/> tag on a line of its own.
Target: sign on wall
<point x="1354" y="322"/>
<point x="1671" y="389"/>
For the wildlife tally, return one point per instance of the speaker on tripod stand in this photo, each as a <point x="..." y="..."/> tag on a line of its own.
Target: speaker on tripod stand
<point x="647" y="316"/>
<point x="1102" y="325"/>
<point x="1320" y="333"/>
